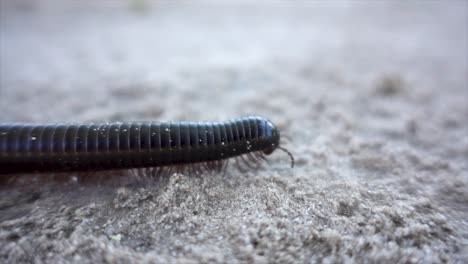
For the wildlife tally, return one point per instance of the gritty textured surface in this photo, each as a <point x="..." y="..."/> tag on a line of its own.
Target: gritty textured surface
<point x="372" y="99"/>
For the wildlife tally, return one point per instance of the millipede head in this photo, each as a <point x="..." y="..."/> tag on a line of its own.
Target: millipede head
<point x="273" y="134"/>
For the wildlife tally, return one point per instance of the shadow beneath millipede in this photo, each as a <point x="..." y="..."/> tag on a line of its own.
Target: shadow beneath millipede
<point x="104" y="178"/>
<point x="21" y="193"/>
<point x="109" y="180"/>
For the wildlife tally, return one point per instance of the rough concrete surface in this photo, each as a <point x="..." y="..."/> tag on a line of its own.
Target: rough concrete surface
<point x="371" y="97"/>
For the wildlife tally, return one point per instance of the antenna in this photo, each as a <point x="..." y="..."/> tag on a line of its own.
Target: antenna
<point x="290" y="155"/>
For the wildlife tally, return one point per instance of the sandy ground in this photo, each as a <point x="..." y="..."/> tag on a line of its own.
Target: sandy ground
<point x="371" y="97"/>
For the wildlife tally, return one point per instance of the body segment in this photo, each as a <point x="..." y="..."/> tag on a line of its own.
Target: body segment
<point x="77" y="147"/>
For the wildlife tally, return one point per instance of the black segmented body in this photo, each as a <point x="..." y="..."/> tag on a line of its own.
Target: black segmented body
<point x="78" y="147"/>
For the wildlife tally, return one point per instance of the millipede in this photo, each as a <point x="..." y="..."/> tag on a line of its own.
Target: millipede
<point x="127" y="145"/>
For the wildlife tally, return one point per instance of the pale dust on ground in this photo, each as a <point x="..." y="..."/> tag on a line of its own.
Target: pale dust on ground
<point x="371" y="97"/>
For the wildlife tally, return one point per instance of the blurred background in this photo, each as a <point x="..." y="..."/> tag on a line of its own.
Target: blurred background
<point x="371" y="96"/>
<point x="381" y="68"/>
<point x="386" y="65"/>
